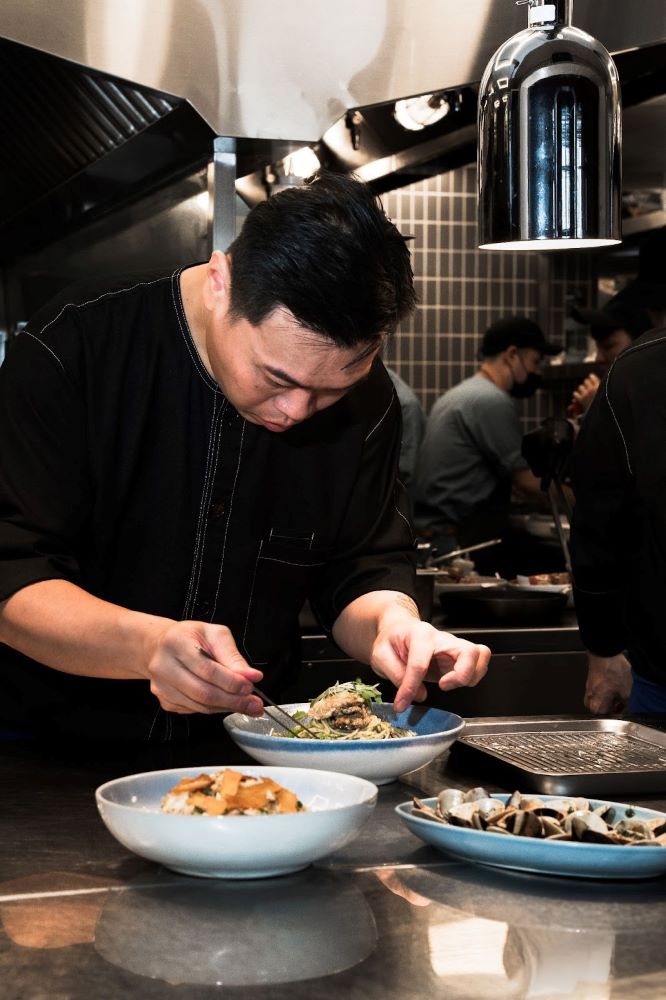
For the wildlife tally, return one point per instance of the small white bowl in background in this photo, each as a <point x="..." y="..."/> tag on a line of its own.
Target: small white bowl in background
<point x="237" y="846"/>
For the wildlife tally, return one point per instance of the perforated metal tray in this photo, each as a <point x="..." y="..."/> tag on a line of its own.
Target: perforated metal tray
<point x="584" y="757"/>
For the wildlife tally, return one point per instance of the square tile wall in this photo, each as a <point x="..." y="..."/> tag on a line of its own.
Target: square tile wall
<point x="462" y="290"/>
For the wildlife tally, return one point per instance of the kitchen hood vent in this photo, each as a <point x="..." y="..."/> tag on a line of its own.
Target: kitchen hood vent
<point x="78" y="143"/>
<point x="61" y="119"/>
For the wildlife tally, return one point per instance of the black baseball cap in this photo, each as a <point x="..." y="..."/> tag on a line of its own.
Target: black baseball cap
<point x="648" y="289"/>
<point x="614" y="315"/>
<point x="516" y="331"/>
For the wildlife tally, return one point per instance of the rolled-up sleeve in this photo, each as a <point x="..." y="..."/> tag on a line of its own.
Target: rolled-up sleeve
<point x="44" y="488"/>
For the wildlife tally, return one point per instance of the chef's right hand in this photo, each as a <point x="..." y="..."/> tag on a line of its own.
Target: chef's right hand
<point x="185" y="680"/>
<point x="608" y="684"/>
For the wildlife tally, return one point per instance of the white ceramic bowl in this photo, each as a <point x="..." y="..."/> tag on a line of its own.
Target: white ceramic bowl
<point x="237" y="846"/>
<point x="380" y="761"/>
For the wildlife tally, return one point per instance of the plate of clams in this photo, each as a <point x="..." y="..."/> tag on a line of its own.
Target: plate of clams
<point x="548" y="834"/>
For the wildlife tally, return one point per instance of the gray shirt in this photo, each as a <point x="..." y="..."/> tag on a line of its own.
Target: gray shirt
<point x="472" y="443"/>
<point x="413" y="427"/>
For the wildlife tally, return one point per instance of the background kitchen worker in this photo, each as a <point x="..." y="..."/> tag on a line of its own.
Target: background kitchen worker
<point x="618" y="537"/>
<point x="413" y="427"/>
<point x="470" y="459"/>
<point x="187" y="457"/>
<point x="613" y="328"/>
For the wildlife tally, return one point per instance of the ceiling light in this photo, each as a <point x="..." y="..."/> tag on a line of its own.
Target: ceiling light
<point x="416" y="113"/>
<point x="549" y="138"/>
<point x="302" y="163"/>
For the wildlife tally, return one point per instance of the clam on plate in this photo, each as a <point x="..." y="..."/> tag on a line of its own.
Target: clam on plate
<point x="546" y="857"/>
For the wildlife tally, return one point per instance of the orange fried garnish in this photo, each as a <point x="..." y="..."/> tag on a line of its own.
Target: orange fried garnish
<point x="287" y="801"/>
<point x="231" y="791"/>
<point x="208" y="803"/>
<point x="252" y="797"/>
<point x="193" y="784"/>
<point x="228" y="781"/>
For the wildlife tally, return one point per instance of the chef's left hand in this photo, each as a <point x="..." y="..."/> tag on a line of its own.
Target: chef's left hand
<point x="408" y="652"/>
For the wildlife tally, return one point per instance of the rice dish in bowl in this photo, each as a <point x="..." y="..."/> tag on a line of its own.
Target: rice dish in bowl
<point x="335" y="807"/>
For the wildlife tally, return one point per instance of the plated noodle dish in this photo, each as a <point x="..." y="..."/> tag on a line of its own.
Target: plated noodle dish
<point x="344" y="712"/>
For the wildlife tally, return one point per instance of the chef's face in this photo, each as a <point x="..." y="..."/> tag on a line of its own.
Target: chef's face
<point x="276" y="374"/>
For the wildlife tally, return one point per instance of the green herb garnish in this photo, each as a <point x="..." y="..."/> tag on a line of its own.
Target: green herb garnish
<point x="369" y="692"/>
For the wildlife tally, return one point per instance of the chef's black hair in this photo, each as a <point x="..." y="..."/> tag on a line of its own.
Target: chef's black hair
<point x="327" y="252"/>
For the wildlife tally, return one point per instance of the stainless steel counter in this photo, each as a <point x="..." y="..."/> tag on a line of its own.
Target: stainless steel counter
<point x="387" y="917"/>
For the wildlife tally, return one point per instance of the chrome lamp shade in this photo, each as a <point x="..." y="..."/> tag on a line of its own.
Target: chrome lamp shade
<point x="549" y="154"/>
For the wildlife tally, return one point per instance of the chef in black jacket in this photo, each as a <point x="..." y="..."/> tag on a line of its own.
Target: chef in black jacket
<point x="618" y="539"/>
<point x="187" y="457"/>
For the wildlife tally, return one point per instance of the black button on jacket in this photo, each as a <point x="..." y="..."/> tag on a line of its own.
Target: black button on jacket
<point x="125" y="470"/>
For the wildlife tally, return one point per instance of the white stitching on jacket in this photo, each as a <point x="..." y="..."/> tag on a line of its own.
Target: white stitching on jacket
<point x="249" y="608"/>
<point x="286" y="562"/>
<point x="187" y="337"/>
<point x="630" y="350"/>
<point x="104" y="295"/>
<point x="46" y="346"/>
<point x="617" y="424"/>
<point x="212" y="459"/>
<point x="226" y="527"/>
<point x="381" y="419"/>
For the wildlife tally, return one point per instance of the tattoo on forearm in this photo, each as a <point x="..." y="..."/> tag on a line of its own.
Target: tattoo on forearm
<point x="408" y="604"/>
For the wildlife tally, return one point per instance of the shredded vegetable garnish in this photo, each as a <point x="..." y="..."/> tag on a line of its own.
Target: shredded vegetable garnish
<point x="369" y="692"/>
<point x="344" y="712"/>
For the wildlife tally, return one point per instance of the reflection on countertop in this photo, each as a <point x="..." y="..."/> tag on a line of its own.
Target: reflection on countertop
<point x="387" y="917"/>
<point x="269" y="931"/>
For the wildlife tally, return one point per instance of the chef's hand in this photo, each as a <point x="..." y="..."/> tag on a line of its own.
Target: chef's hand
<point x="608" y="684"/>
<point x="185" y="680"/>
<point x="586" y="392"/>
<point x="408" y="652"/>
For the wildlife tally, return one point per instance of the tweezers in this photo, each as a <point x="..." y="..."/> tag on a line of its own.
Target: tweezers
<point x="268" y="701"/>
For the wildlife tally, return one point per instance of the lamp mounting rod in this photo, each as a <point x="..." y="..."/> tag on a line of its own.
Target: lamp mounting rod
<point x="560" y="11"/>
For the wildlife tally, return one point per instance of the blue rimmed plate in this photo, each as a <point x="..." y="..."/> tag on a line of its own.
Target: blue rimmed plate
<point x="547" y="857"/>
<point x="379" y="761"/>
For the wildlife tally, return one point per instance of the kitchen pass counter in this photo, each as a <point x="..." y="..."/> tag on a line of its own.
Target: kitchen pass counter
<point x="387" y="917"/>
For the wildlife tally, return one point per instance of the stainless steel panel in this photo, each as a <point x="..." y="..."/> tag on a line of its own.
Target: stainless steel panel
<point x="289" y="70"/>
<point x="594" y="757"/>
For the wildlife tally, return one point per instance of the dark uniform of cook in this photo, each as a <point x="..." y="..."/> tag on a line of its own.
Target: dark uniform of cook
<point x="618" y="538"/>
<point x="187" y="458"/>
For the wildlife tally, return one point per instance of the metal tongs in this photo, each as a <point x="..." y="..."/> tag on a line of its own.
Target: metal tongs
<point x="547" y="451"/>
<point x="268" y="701"/>
<point x="461" y="552"/>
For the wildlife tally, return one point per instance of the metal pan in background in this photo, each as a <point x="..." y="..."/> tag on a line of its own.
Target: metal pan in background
<point x="502" y="606"/>
<point x="591" y="757"/>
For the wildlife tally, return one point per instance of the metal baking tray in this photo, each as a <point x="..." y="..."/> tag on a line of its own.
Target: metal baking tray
<point x="593" y="757"/>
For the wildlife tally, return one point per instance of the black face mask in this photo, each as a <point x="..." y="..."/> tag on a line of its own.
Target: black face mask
<point x="522" y="390"/>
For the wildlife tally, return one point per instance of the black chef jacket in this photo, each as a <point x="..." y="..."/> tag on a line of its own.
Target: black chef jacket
<point x="618" y="539"/>
<point x="124" y="469"/>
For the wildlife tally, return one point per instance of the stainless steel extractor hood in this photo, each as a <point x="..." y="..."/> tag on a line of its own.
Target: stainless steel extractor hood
<point x="104" y="100"/>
